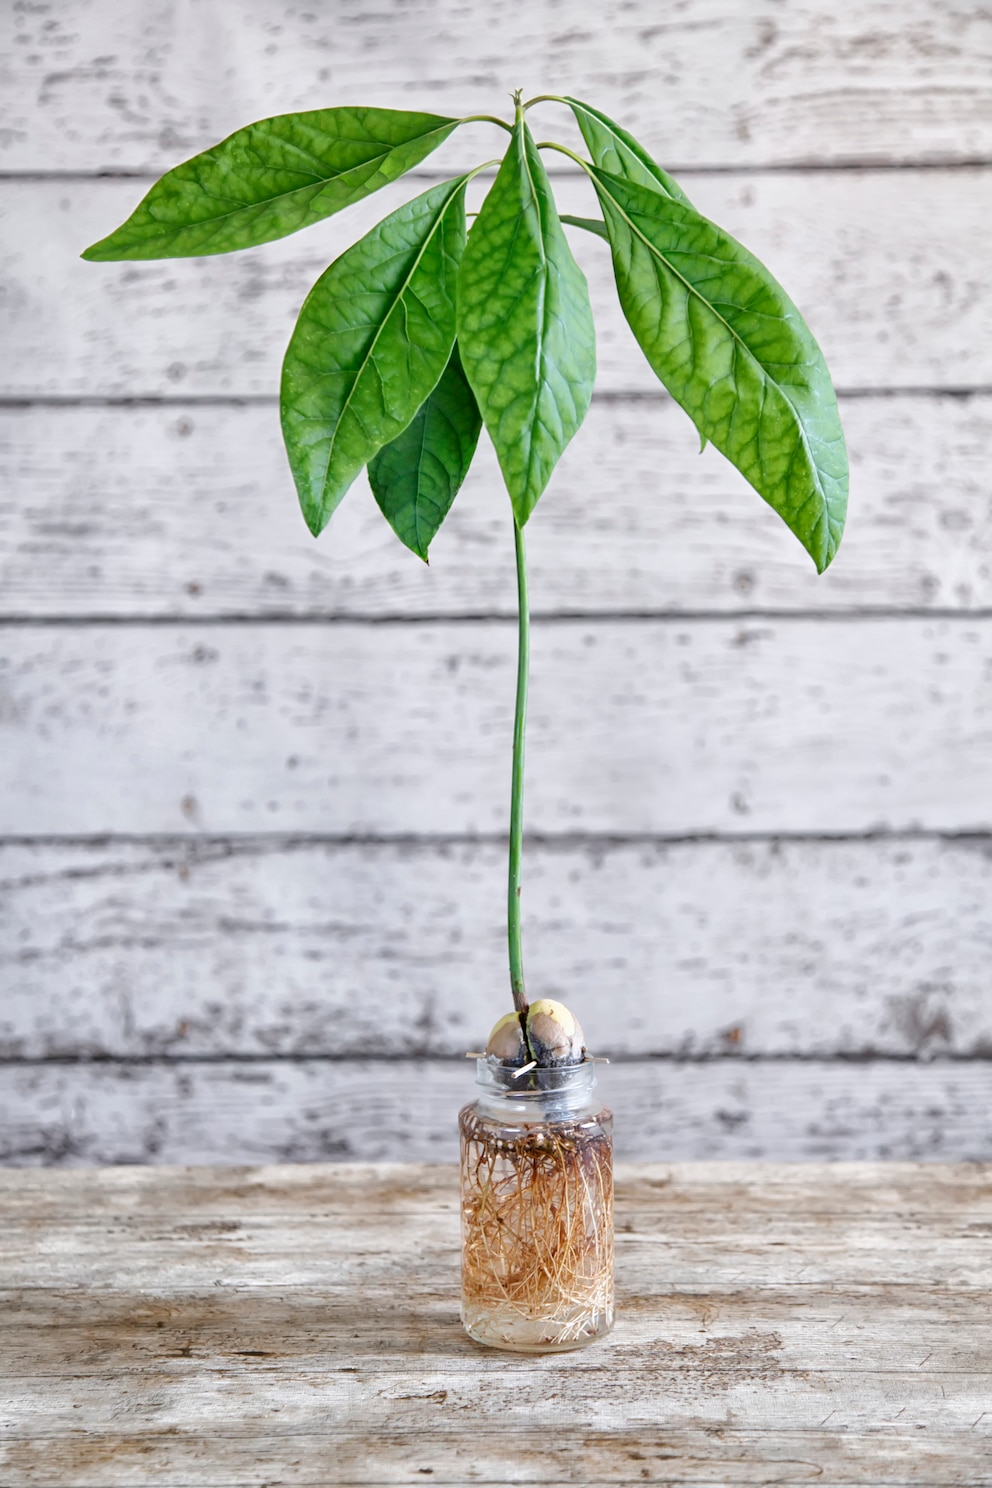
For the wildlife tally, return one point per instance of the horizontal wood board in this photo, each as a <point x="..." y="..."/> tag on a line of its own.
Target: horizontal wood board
<point x="888" y="266"/>
<point x="221" y="1328"/>
<point x="910" y="1190"/>
<point x="661" y="726"/>
<point x="191" y="511"/>
<point x="690" y="950"/>
<point x="88" y="86"/>
<point x="185" y="512"/>
<point x="94" y="1336"/>
<point x="305" y="1110"/>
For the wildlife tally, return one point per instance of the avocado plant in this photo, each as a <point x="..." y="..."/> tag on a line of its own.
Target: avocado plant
<point x="423" y="331"/>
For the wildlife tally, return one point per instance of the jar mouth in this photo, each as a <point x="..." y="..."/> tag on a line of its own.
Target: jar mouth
<point x="513" y="1084"/>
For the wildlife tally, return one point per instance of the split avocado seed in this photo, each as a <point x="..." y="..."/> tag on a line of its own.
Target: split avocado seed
<point x="554" y="1037"/>
<point x="554" y="1034"/>
<point x="506" y="1042"/>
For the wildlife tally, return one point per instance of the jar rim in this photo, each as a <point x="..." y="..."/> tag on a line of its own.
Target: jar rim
<point x="509" y="1082"/>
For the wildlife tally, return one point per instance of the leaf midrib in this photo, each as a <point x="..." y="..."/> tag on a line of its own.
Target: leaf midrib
<point x="381" y="327"/>
<point x="284" y="196"/>
<point x="621" y="146"/>
<point x="544" y="295"/>
<point x="421" y="549"/>
<point x="575" y="103"/>
<point x="738" y="340"/>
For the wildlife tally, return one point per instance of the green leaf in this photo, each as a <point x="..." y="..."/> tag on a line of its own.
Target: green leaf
<point x="590" y="224"/>
<point x="272" y="178"/>
<point x="525" y="325"/>
<point x="373" y="338"/>
<point x="416" y="477"/>
<point x="618" y="152"/>
<point x="733" y="350"/>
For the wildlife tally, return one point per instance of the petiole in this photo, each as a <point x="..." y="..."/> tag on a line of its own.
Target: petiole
<point x="487" y="119"/>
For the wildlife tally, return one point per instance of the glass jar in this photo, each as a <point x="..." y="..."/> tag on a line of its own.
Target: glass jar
<point x="537" y="1209"/>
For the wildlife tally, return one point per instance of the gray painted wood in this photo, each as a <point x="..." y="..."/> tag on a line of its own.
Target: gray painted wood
<point x="702" y="725"/>
<point x="305" y="1110"/>
<point x="673" y="727"/>
<point x="888" y="266"/>
<point x="92" y="86"/>
<point x="698" y="949"/>
<point x="181" y="511"/>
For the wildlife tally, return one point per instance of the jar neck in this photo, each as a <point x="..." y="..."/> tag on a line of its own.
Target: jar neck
<point x="562" y="1094"/>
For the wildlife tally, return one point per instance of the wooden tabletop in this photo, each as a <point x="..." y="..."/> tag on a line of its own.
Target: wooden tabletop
<point x="299" y="1325"/>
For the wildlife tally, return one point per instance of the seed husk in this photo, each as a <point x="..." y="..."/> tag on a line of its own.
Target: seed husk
<point x="554" y="1034"/>
<point x="506" y="1042"/>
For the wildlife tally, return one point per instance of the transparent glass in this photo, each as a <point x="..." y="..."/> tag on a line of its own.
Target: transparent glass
<point x="537" y="1209"/>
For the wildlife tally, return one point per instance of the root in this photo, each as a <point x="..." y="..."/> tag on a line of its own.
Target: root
<point x="537" y="1221"/>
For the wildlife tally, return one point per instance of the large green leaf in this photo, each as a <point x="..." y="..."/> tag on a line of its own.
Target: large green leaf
<point x="416" y="477"/>
<point x="525" y="325"/>
<point x="618" y="152"/>
<point x="373" y="337"/>
<point x="271" y="178"/>
<point x="733" y="350"/>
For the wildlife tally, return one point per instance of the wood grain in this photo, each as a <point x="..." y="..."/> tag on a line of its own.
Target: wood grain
<point x="235" y="1328"/>
<point x="648" y="727"/>
<point x="889" y="269"/>
<point x="90" y="87"/>
<point x="305" y="1110"/>
<point x="190" y="511"/>
<point x="697" y="949"/>
<point x="398" y="1190"/>
<point x="120" y="1334"/>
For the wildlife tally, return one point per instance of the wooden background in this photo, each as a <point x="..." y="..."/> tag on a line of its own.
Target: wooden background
<point x="254" y="788"/>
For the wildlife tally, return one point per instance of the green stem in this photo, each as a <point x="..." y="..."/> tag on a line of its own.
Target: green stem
<point x="545" y="98"/>
<point x="517" y="785"/>
<point x="564" y="150"/>
<point x="486" y="119"/>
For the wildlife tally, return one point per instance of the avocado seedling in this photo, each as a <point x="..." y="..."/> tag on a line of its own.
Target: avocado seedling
<point x="422" y="332"/>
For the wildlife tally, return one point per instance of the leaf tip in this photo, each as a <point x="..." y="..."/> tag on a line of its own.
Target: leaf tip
<point x="413" y="546"/>
<point x="314" y="518"/>
<point x="109" y="250"/>
<point x="826" y="554"/>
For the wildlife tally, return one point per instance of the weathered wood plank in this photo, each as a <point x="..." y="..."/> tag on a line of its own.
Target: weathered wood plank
<point x="711" y="83"/>
<point x="401" y="1190"/>
<point x="672" y="1450"/>
<point x="889" y="269"/>
<point x="674" y="727"/>
<point x="311" y="1110"/>
<point x="191" y="511"/>
<point x="96" y="1333"/>
<point x="267" y="947"/>
<point x="230" y="1328"/>
<point x="397" y="1406"/>
<point x="311" y="1250"/>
